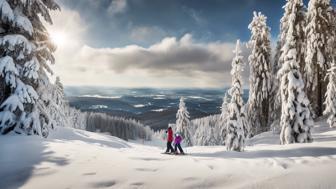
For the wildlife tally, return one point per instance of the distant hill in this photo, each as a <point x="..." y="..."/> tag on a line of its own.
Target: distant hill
<point x="153" y="107"/>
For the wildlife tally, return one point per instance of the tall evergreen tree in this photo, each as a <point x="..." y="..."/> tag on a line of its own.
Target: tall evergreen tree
<point x="183" y="123"/>
<point x="275" y="99"/>
<point x="297" y="8"/>
<point x="235" y="133"/>
<point x="296" y="120"/>
<point x="330" y="101"/>
<point x="260" y="74"/>
<point x="319" y="51"/>
<point x="25" y="55"/>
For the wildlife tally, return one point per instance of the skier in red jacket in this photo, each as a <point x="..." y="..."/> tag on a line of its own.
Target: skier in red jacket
<point x="170" y="139"/>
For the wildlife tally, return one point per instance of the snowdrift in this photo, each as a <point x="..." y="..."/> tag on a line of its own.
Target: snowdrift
<point x="73" y="158"/>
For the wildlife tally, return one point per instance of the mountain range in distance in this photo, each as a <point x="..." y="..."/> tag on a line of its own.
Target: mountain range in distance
<point x="153" y="107"/>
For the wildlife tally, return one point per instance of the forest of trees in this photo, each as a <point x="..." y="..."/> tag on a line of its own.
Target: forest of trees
<point x="287" y="92"/>
<point x="122" y="128"/>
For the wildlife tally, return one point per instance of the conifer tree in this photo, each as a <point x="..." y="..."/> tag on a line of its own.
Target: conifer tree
<point x="297" y="8"/>
<point x="25" y="56"/>
<point x="223" y="120"/>
<point x="260" y="74"/>
<point x="183" y="123"/>
<point x="320" y="34"/>
<point x="296" y="120"/>
<point x="235" y="130"/>
<point x="330" y="101"/>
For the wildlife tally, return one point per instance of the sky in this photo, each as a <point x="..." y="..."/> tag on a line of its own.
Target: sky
<point x="154" y="43"/>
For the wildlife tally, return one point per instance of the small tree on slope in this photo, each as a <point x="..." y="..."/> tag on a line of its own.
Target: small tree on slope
<point x="58" y="106"/>
<point x="330" y="101"/>
<point x="296" y="120"/>
<point x="26" y="51"/>
<point x="223" y="120"/>
<point x="235" y="130"/>
<point x="183" y="123"/>
<point x="260" y="74"/>
<point x="319" y="51"/>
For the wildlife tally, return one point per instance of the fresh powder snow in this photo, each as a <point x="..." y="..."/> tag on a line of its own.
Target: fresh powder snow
<point x="72" y="158"/>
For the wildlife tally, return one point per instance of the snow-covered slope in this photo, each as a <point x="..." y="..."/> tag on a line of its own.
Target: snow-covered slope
<point x="78" y="159"/>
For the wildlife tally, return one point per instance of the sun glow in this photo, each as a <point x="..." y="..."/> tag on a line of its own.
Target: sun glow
<point x="59" y="38"/>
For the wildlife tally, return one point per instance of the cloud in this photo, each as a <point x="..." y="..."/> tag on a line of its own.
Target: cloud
<point x="171" y="54"/>
<point x="171" y="62"/>
<point x="196" y="64"/>
<point x="143" y="34"/>
<point x="117" y="7"/>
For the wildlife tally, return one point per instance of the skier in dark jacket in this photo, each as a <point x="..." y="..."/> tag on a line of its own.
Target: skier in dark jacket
<point x="177" y="142"/>
<point x="170" y="140"/>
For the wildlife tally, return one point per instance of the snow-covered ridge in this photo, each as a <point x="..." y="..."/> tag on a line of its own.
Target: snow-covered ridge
<point x="99" y="96"/>
<point x="139" y="105"/>
<point x="158" y="110"/>
<point x="198" y="97"/>
<point x="99" y="107"/>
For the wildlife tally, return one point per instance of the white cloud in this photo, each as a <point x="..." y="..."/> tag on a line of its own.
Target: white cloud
<point x="117" y="6"/>
<point x="200" y="64"/>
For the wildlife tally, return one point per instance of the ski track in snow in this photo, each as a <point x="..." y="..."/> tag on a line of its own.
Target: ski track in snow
<point x="73" y="158"/>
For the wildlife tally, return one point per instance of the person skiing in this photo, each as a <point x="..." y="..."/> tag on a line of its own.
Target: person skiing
<point x="177" y="142"/>
<point x="169" y="140"/>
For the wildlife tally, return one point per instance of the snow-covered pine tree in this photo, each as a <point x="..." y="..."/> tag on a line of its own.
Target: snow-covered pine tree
<point x="296" y="120"/>
<point x="330" y="101"/>
<point x="275" y="97"/>
<point x="260" y="74"/>
<point x="223" y="120"/>
<point x="211" y="136"/>
<point x="297" y="8"/>
<point x="57" y="104"/>
<point x="26" y="51"/>
<point x="207" y="130"/>
<point x="200" y="136"/>
<point x="235" y="130"/>
<point x="320" y="34"/>
<point x="183" y="123"/>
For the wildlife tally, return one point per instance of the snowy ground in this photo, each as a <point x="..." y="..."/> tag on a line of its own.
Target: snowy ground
<point x="78" y="159"/>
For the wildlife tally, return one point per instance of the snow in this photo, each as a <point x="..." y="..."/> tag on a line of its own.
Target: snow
<point x="73" y="158"/>
<point x="6" y="12"/>
<point x="159" y="98"/>
<point x="199" y="97"/>
<point x="23" y="22"/>
<point x="14" y="40"/>
<point x="139" y="106"/>
<point x="99" y="96"/>
<point x="158" y="110"/>
<point x="8" y="70"/>
<point x="100" y="106"/>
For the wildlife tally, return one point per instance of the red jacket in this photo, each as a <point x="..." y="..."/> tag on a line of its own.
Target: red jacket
<point x="170" y="135"/>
